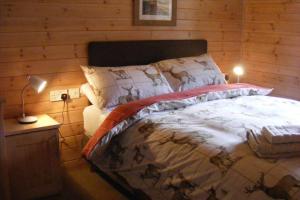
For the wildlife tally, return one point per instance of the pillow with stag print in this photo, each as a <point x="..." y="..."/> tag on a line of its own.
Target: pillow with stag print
<point x="119" y="85"/>
<point x="191" y="72"/>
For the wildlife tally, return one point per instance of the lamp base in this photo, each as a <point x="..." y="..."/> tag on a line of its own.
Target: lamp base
<point x="27" y="120"/>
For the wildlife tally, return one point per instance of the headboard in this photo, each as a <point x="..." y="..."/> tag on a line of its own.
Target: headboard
<point x="124" y="53"/>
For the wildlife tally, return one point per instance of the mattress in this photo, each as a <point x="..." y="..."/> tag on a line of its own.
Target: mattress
<point x="92" y="118"/>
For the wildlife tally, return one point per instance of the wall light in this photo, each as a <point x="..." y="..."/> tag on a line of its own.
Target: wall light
<point x="238" y="71"/>
<point x="38" y="85"/>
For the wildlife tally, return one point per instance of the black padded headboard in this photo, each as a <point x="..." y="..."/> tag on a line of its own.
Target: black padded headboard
<point x="123" y="53"/>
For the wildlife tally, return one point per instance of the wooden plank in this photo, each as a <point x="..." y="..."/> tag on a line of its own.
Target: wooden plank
<point x="64" y="10"/>
<point x="41" y="67"/>
<point x="275" y="8"/>
<point x="271" y="68"/>
<point x="51" y="38"/>
<point x="283" y="39"/>
<point x="54" y="81"/>
<point x="4" y="183"/>
<point x="42" y="53"/>
<point x="283" y="17"/>
<point x="103" y="10"/>
<point x="284" y="60"/>
<point x="275" y="49"/>
<point x="72" y="129"/>
<point x="83" y="37"/>
<point x="73" y="116"/>
<point x="71" y="142"/>
<point x="46" y="107"/>
<point x="278" y="27"/>
<point x="70" y="154"/>
<point x="32" y="97"/>
<point x="37" y="53"/>
<point x="17" y="24"/>
<point x="113" y="2"/>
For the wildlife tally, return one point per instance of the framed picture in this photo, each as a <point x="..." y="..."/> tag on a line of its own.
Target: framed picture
<point x="155" y="12"/>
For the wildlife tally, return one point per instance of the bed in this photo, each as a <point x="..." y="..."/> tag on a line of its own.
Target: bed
<point x="189" y="145"/>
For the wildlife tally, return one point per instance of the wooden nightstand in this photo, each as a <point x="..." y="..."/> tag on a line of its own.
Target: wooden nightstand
<point x="32" y="154"/>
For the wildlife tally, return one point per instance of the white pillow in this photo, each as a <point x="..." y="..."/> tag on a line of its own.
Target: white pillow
<point x="113" y="86"/>
<point x="191" y="72"/>
<point x="86" y="90"/>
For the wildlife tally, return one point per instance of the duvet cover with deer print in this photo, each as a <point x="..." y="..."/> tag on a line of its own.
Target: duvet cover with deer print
<point x="195" y="148"/>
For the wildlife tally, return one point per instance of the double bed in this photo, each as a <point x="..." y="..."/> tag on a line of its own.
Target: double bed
<point x="190" y="144"/>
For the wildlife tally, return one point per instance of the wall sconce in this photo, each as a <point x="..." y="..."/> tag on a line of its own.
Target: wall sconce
<point x="38" y="85"/>
<point x="238" y="71"/>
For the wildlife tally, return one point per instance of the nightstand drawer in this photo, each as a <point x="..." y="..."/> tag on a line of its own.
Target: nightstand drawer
<point x="33" y="162"/>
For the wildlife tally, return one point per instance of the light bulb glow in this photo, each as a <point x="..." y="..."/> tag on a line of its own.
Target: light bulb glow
<point x="238" y="70"/>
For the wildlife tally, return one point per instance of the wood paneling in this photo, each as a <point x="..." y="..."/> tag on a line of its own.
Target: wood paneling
<point x="49" y="38"/>
<point x="271" y="45"/>
<point x="4" y="183"/>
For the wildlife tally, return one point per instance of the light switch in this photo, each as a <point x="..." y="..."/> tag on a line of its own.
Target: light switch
<point x="74" y="93"/>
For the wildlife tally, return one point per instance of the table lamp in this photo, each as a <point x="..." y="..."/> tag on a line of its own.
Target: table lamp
<point x="38" y="85"/>
<point x="238" y="71"/>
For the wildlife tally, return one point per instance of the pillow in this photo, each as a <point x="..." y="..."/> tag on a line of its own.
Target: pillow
<point x="86" y="90"/>
<point x="118" y="85"/>
<point x="191" y="72"/>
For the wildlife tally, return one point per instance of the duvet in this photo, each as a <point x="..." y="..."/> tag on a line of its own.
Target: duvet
<point x="192" y="145"/>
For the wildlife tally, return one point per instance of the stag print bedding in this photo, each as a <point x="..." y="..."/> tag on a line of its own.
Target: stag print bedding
<point x="195" y="148"/>
<point x="113" y="86"/>
<point x="190" y="72"/>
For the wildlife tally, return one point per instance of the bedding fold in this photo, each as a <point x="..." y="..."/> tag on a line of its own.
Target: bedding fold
<point x="281" y="134"/>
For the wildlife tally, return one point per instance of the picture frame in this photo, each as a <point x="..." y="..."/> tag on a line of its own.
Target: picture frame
<point x="155" y="12"/>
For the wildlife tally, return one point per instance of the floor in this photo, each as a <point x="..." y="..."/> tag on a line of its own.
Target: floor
<point x="80" y="183"/>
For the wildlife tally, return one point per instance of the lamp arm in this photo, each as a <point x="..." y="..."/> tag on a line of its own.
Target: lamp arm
<point x="22" y="98"/>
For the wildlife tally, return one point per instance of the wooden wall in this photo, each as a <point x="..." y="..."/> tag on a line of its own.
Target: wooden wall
<point x="49" y="38"/>
<point x="271" y="45"/>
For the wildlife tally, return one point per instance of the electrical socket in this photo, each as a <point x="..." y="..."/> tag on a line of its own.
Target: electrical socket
<point x="73" y="93"/>
<point x="56" y="95"/>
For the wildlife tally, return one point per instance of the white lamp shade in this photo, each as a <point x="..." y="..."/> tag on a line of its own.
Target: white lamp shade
<point x="238" y="70"/>
<point x="37" y="83"/>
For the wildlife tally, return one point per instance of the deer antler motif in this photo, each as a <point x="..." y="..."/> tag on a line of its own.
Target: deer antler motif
<point x="121" y="74"/>
<point x="152" y="173"/>
<point x="147" y="129"/>
<point x="279" y="191"/>
<point x="129" y="97"/>
<point x="156" y="78"/>
<point x="183" y="76"/>
<point x="223" y="160"/>
<point x="186" y="140"/>
<point x="139" y="156"/>
<point x="181" y="189"/>
<point x="116" y="152"/>
<point x="212" y="194"/>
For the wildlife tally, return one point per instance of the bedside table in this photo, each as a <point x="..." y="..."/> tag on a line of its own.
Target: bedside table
<point x="32" y="154"/>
